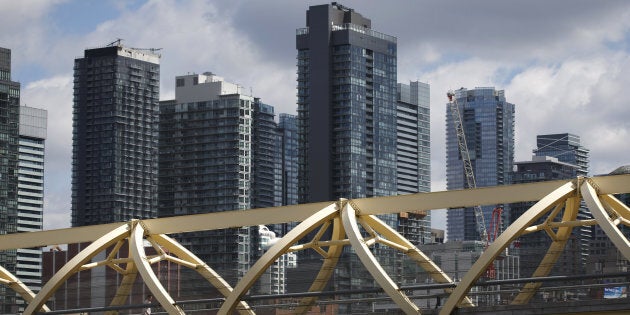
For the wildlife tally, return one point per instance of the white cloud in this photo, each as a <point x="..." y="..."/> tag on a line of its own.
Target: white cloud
<point x="563" y="67"/>
<point x="580" y="96"/>
<point x="55" y="95"/>
<point x="196" y="37"/>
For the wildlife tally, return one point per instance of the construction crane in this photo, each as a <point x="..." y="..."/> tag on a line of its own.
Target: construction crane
<point x="472" y="183"/>
<point x="468" y="169"/>
<point x="118" y="43"/>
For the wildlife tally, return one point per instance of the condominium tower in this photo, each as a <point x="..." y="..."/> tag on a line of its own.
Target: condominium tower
<point x="488" y="122"/>
<point x="346" y="106"/>
<point x="209" y="163"/>
<point x="33" y="123"/>
<point x="566" y="147"/>
<point x="114" y="148"/>
<point x="414" y="156"/>
<point x="346" y="89"/>
<point x="9" y="143"/>
<point x="532" y="247"/>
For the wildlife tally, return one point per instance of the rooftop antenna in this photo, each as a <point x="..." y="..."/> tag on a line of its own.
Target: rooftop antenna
<point x="118" y="42"/>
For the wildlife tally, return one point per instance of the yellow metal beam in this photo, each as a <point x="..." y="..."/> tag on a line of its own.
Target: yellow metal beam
<point x="560" y="238"/>
<point x="379" y="205"/>
<point x="74" y="265"/>
<point x="136" y="249"/>
<point x="505" y="239"/>
<point x="18" y="286"/>
<point x="331" y="257"/>
<point x="599" y="213"/>
<point x="596" y="191"/>
<point x="349" y="219"/>
<point x="273" y="253"/>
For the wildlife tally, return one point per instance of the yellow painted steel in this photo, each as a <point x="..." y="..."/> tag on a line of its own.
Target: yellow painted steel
<point x="331" y="257"/>
<point x="136" y="249"/>
<point x="381" y="205"/>
<point x="273" y="253"/>
<point x="8" y="279"/>
<point x="559" y="200"/>
<point x="560" y="238"/>
<point x="505" y="239"/>
<point x="122" y="292"/>
<point x="74" y="265"/>
<point x="188" y="259"/>
<point x="412" y="252"/>
<point x="604" y="220"/>
<point x="372" y="265"/>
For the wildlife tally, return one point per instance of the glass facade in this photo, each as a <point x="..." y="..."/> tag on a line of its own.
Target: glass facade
<point x="9" y="137"/>
<point x="286" y="169"/>
<point x="347" y="125"/>
<point x="488" y="121"/>
<point x="33" y="122"/>
<point x="351" y="102"/>
<point x="115" y="123"/>
<point x="414" y="156"/>
<point x="532" y="247"/>
<point x="217" y="150"/>
<point x="288" y="131"/>
<point x="566" y="148"/>
<point x="264" y="163"/>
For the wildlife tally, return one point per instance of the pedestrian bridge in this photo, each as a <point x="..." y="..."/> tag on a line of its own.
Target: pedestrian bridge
<point x="344" y="220"/>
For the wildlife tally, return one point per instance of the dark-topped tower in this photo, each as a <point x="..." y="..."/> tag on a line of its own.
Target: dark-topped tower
<point x="115" y="139"/>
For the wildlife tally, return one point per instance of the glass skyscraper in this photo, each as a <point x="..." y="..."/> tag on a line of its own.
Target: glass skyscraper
<point x="566" y="148"/>
<point x="414" y="156"/>
<point x="33" y="123"/>
<point x="286" y="168"/>
<point x="346" y="106"/>
<point x="346" y="89"/>
<point x="9" y="143"/>
<point x="114" y="149"/>
<point x="488" y="121"/>
<point x="532" y="247"/>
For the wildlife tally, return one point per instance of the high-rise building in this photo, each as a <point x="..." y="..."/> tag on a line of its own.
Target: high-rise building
<point x="414" y="156"/>
<point x="286" y="170"/>
<point x="346" y="106"/>
<point x="566" y="148"/>
<point x="9" y="142"/>
<point x="488" y="122"/>
<point x="532" y="247"/>
<point x="264" y="157"/>
<point x="33" y="122"/>
<point x="346" y="123"/>
<point x="115" y="121"/>
<point x="210" y="163"/>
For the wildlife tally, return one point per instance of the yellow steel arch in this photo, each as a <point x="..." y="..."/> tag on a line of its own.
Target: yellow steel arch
<point x="360" y="246"/>
<point x="8" y="279"/>
<point x="556" y="199"/>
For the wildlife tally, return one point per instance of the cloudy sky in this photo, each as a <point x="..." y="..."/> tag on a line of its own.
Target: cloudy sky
<point x="563" y="63"/>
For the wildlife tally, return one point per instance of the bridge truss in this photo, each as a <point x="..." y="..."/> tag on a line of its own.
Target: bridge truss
<point x="557" y="206"/>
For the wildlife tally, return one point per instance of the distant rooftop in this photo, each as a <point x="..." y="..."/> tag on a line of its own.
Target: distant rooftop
<point x="621" y="170"/>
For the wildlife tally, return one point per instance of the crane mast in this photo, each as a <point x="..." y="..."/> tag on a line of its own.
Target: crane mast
<point x="468" y="169"/>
